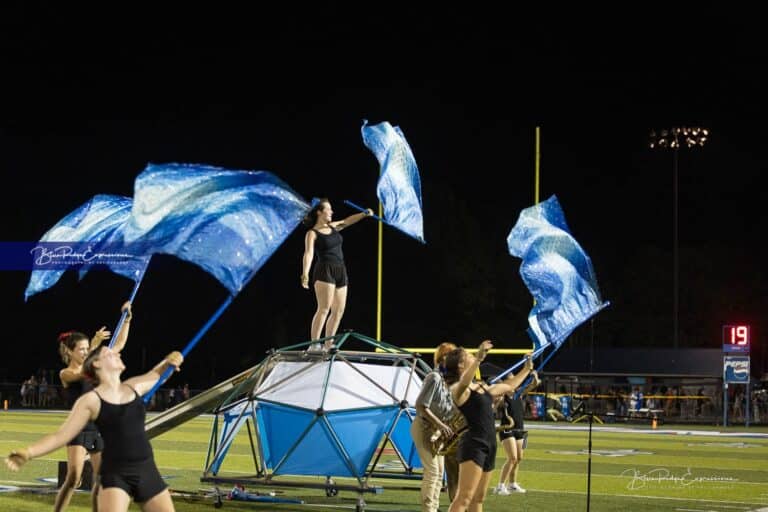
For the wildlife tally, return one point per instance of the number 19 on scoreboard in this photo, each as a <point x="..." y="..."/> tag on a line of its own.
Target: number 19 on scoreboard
<point x="736" y="338"/>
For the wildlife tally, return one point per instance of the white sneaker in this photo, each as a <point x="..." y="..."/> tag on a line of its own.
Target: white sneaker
<point x="501" y="490"/>
<point x="515" y="487"/>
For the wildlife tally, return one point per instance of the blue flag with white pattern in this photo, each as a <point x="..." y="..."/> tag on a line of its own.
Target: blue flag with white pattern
<point x="399" y="186"/>
<point x="557" y="272"/>
<point x="89" y="235"/>
<point x="228" y="222"/>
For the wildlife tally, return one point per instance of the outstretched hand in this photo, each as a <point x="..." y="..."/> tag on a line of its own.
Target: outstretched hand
<point x="17" y="458"/>
<point x="483" y="349"/>
<point x="100" y="336"/>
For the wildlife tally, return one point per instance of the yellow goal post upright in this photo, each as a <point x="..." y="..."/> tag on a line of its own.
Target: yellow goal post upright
<point x="421" y="350"/>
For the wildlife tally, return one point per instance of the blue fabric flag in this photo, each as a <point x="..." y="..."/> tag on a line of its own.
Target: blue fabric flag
<point x="228" y="222"/>
<point x="399" y="187"/>
<point x="91" y="234"/>
<point x="557" y="272"/>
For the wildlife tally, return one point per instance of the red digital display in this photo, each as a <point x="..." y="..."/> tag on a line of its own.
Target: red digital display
<point x="736" y="338"/>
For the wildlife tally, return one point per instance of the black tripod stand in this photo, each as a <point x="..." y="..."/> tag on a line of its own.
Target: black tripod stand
<point x="590" y="417"/>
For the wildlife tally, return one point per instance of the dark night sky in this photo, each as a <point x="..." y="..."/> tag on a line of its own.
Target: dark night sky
<point x="89" y="98"/>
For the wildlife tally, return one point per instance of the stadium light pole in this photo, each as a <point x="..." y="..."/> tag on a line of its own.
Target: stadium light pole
<point x="674" y="139"/>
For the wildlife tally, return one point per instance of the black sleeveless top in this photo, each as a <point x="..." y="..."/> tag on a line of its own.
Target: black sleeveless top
<point x="75" y="390"/>
<point x="515" y="409"/>
<point x="328" y="247"/>
<point x="122" y="427"/>
<point x="478" y="410"/>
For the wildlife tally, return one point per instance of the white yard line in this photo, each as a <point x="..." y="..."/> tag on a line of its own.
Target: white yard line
<point x="720" y="503"/>
<point x="627" y="430"/>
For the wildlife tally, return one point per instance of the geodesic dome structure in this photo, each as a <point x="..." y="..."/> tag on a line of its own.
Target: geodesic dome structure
<point x="324" y="414"/>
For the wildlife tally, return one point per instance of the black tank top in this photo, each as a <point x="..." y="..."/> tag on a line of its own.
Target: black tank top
<point x="328" y="247"/>
<point x="75" y="390"/>
<point x="122" y="427"/>
<point x="478" y="410"/>
<point x="515" y="409"/>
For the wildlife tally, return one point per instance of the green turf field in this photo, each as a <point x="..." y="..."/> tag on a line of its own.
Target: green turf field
<point x="631" y="471"/>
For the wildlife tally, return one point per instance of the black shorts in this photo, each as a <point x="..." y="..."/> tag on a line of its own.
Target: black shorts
<point x="141" y="480"/>
<point x="334" y="273"/>
<point x="514" y="432"/>
<point x="91" y="440"/>
<point x="478" y="451"/>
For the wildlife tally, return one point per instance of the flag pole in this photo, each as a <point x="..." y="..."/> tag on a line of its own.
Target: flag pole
<point x="190" y="345"/>
<point x="130" y="299"/>
<point x="533" y="355"/>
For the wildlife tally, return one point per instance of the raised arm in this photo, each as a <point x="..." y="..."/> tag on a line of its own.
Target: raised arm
<point x="460" y="390"/>
<point x="356" y="217"/>
<point x="143" y="383"/>
<point x="99" y="337"/>
<point x="510" y="384"/>
<point x="535" y="381"/>
<point x="84" y="410"/>
<point x="309" y="253"/>
<point x="122" y="336"/>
